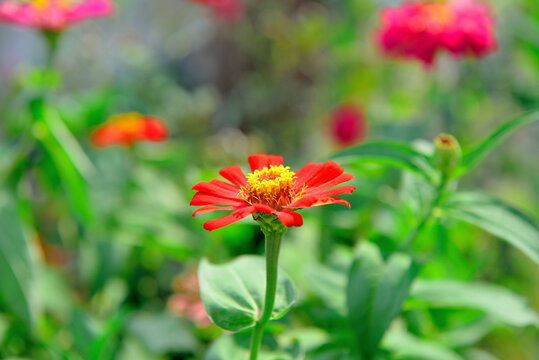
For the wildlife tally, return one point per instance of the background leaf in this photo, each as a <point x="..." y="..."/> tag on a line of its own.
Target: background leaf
<point x="233" y="293"/>
<point x="69" y="159"/>
<point x="163" y="332"/>
<point x="375" y="294"/>
<point x="499" y="303"/>
<point x="390" y="153"/>
<point x="474" y="156"/>
<point x="15" y="263"/>
<point x="498" y="218"/>
<point x="405" y="346"/>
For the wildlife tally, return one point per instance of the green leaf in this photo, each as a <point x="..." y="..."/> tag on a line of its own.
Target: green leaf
<point x="69" y="159"/>
<point x="163" y="333"/>
<point x="225" y="347"/>
<point x="498" y="218"/>
<point x="391" y="153"/>
<point x="363" y="279"/>
<point x="499" y="303"/>
<point x="416" y="194"/>
<point x="15" y="263"/>
<point x="329" y="286"/>
<point x="390" y="294"/>
<point x="478" y="354"/>
<point x="405" y="346"/>
<point x="100" y="348"/>
<point x="375" y="294"/>
<point x="474" y="156"/>
<point x="233" y="293"/>
<point x="468" y="334"/>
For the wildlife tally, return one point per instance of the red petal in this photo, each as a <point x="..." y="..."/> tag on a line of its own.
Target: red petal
<point x="224" y="184"/>
<point x="264" y="208"/>
<point x="205" y="209"/>
<point x="315" y="200"/>
<point x="314" y="174"/>
<point x="201" y="198"/>
<point x="290" y="218"/>
<point x="260" y="161"/>
<point x="345" y="189"/>
<point x="338" y="180"/>
<point x="234" y="174"/>
<point x="217" y="189"/>
<point x="155" y="129"/>
<point x="229" y="219"/>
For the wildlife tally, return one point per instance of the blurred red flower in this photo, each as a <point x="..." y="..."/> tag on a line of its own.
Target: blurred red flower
<point x="421" y="29"/>
<point x="229" y="10"/>
<point x="347" y="124"/>
<point x="126" y="129"/>
<point x="52" y="15"/>
<point x="187" y="301"/>
<point x="271" y="188"/>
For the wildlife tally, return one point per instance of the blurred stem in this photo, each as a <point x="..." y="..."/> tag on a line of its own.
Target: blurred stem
<point x="52" y="38"/>
<point x="273" y="244"/>
<point x="426" y="218"/>
<point x="326" y="243"/>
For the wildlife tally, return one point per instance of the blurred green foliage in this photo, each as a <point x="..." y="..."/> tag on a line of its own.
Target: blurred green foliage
<point x="92" y="240"/>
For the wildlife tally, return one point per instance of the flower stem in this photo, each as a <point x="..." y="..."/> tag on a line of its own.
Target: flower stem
<point x="51" y="37"/>
<point x="423" y="222"/>
<point x="273" y="244"/>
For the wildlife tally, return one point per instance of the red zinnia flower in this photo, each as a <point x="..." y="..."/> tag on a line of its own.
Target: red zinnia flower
<point x="421" y="29"/>
<point x="126" y="129"/>
<point x="347" y="124"/>
<point x="271" y="188"/>
<point x="229" y="10"/>
<point x="52" y="15"/>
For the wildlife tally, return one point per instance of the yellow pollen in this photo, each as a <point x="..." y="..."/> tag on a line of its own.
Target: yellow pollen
<point x="273" y="186"/>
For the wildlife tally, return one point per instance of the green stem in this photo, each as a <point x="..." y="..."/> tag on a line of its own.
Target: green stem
<point x="423" y="222"/>
<point x="273" y="244"/>
<point x="51" y="37"/>
<point x="325" y="242"/>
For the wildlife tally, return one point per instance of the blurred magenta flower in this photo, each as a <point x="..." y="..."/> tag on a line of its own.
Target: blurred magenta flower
<point x="271" y="188"/>
<point x="347" y="124"/>
<point x="187" y="301"/>
<point x="422" y="29"/>
<point x="127" y="129"/>
<point x="228" y="10"/>
<point x="52" y="15"/>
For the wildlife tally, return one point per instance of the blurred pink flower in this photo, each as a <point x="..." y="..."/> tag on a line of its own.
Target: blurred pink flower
<point x="347" y="124"/>
<point x="228" y="10"/>
<point x="421" y="29"/>
<point x="186" y="301"/>
<point x="472" y="31"/>
<point x="52" y="15"/>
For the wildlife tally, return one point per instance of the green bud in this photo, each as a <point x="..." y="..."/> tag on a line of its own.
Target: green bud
<point x="447" y="153"/>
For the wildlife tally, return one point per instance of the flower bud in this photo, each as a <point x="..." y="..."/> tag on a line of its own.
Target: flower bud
<point x="447" y="153"/>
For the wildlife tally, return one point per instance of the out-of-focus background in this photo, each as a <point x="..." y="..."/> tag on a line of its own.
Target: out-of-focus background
<point x="111" y="253"/>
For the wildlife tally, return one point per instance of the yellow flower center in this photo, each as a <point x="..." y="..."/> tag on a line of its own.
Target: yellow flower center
<point x="130" y="122"/>
<point x="439" y="13"/>
<point x="44" y="4"/>
<point x="272" y="186"/>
